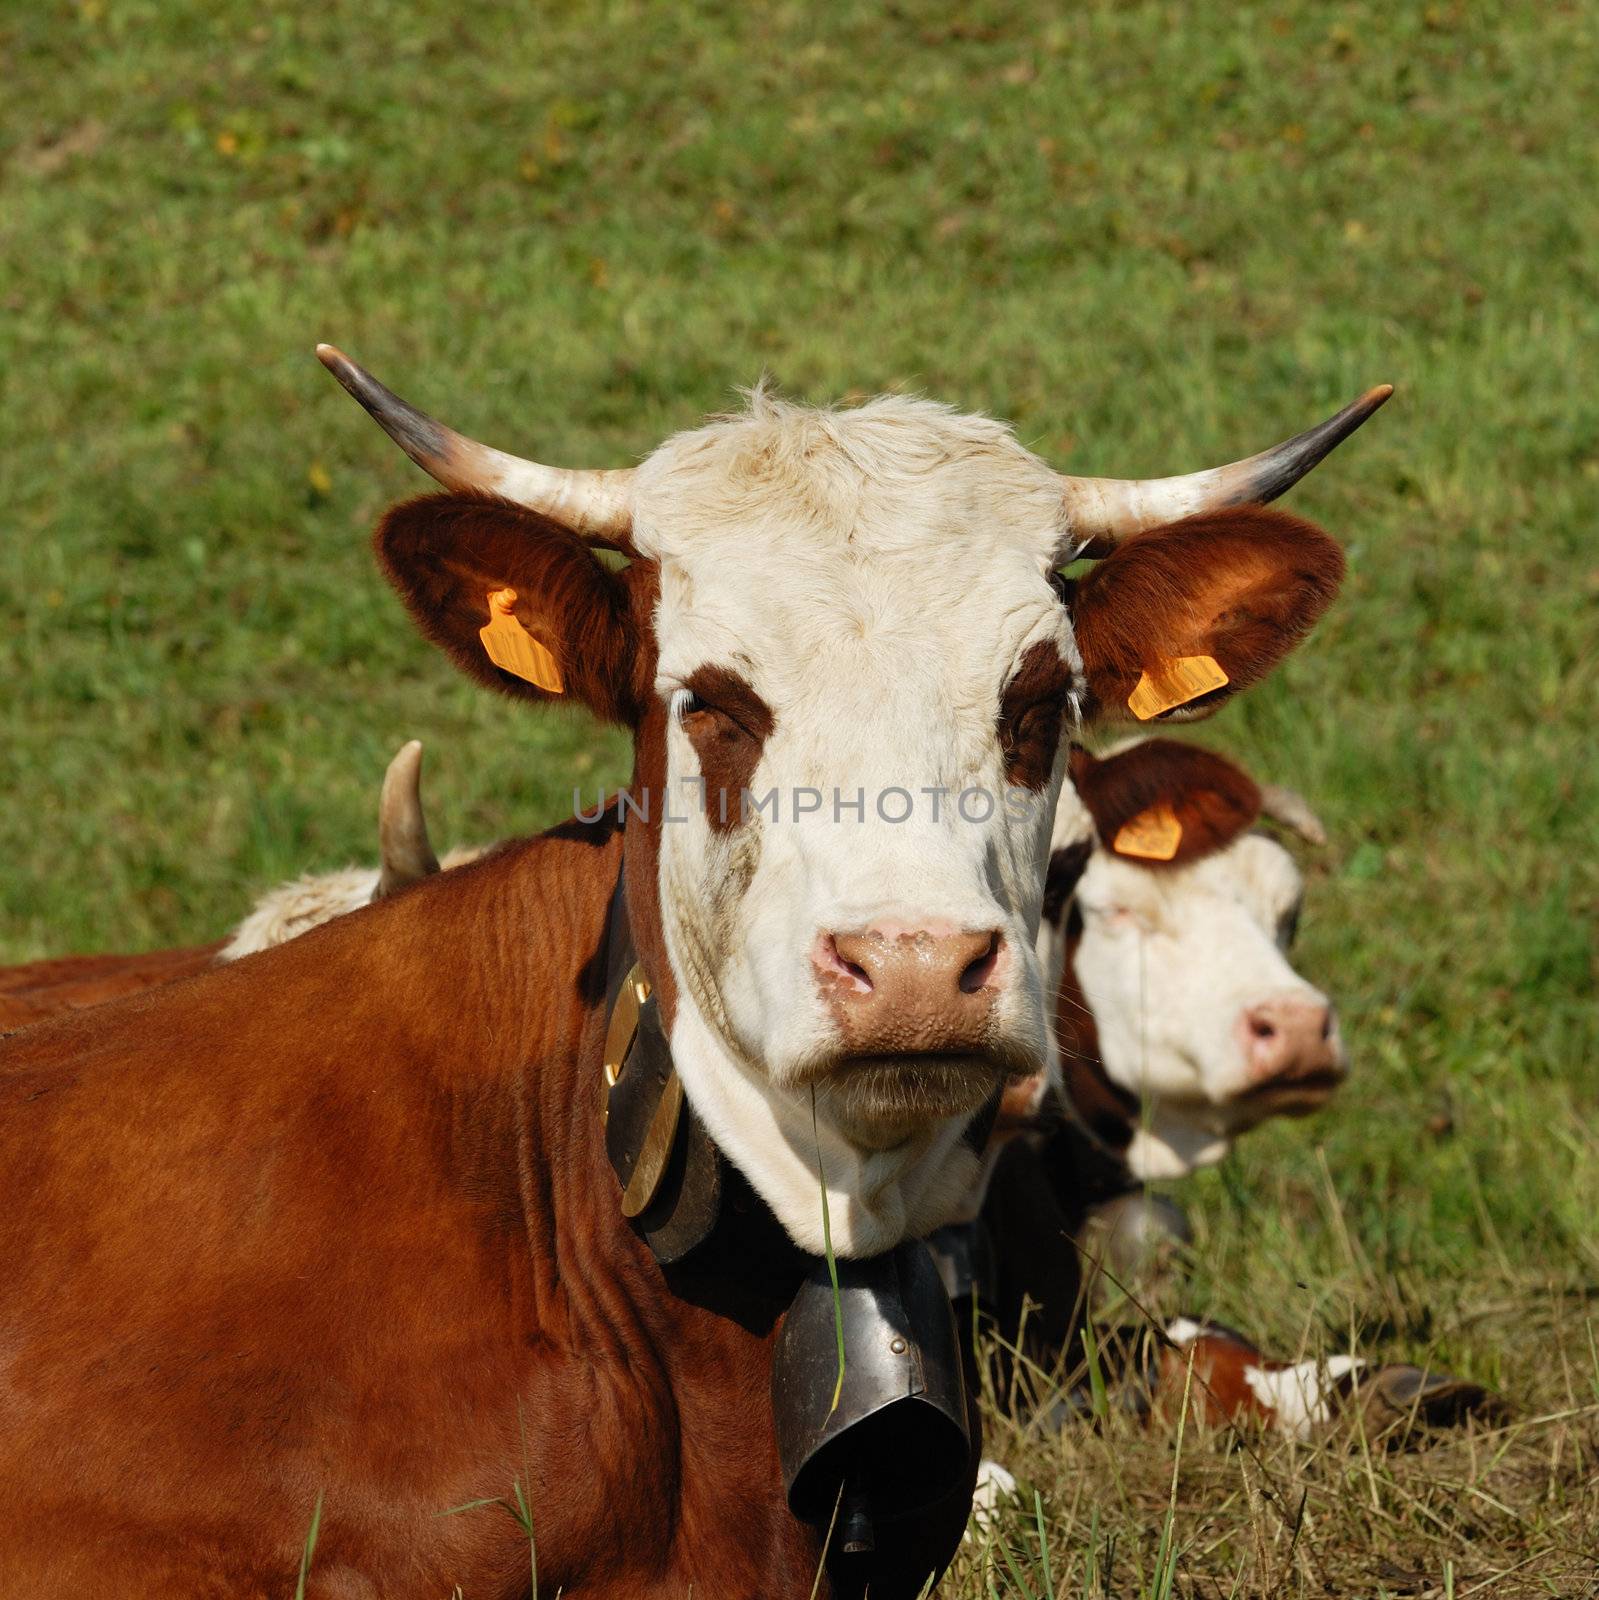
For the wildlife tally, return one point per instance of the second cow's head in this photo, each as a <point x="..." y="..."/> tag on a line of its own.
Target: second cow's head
<point x="842" y="647"/>
<point x="1169" y="917"/>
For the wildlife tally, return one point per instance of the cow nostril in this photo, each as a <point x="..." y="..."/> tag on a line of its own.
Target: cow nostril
<point x="838" y="956"/>
<point x="856" y="971"/>
<point x="1261" y="1028"/>
<point x="1326" y="1024"/>
<point x="978" y="971"/>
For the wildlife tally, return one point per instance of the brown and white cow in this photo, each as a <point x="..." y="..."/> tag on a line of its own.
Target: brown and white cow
<point x="1179" y="1020"/>
<point x="1180" y="1024"/>
<point x="338" y="1220"/>
<point x="1167" y="918"/>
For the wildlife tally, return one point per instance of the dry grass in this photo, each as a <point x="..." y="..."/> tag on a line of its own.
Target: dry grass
<point x="1503" y="1510"/>
<point x="1505" y="1505"/>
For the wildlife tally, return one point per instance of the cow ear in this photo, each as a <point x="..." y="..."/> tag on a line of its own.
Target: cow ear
<point x="1163" y="802"/>
<point x="561" y="624"/>
<point x="1178" y="619"/>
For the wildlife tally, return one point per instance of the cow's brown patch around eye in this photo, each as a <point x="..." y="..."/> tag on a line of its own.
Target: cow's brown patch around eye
<point x="728" y="729"/>
<point x="1030" y="715"/>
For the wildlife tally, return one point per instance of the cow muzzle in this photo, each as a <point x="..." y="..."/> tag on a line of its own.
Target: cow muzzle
<point x="1293" y="1053"/>
<point x="903" y="991"/>
<point x="919" y="1023"/>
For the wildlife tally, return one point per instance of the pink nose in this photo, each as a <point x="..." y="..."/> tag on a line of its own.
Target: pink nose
<point x="905" y="991"/>
<point x="1292" y="1041"/>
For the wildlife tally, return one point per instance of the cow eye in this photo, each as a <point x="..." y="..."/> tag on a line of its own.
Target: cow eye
<point x="700" y="719"/>
<point x="1029" y="736"/>
<point x="1288" y="928"/>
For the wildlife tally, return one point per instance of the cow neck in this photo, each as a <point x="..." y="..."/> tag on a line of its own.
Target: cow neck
<point x="681" y="1191"/>
<point x="1101" y="1119"/>
<point x="718" y="1241"/>
<point x="844" y="1431"/>
<point x="1113" y="1142"/>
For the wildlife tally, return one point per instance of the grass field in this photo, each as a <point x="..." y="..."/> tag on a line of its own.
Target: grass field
<point x="1153" y="235"/>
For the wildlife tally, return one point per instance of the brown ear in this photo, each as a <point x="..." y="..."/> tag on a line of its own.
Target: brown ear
<point x="447" y="553"/>
<point x="1241" y="586"/>
<point x="1147" y="789"/>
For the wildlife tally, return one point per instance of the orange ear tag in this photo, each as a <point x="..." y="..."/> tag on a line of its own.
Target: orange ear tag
<point x="1174" y="683"/>
<point x="513" y="649"/>
<point x="1152" y="835"/>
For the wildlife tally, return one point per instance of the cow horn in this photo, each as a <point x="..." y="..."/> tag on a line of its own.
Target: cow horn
<point x="596" y="505"/>
<point x="1101" y="512"/>
<point x="1292" y="810"/>
<point x="403" y="849"/>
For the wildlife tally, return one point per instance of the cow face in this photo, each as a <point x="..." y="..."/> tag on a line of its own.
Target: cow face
<point x="1196" y="1012"/>
<point x="846" y="661"/>
<point x="864" y="668"/>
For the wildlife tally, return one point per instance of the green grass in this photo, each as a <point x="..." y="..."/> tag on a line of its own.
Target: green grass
<point x="1154" y="236"/>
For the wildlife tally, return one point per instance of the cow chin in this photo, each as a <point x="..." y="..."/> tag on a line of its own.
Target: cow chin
<point x="879" y="1101"/>
<point x="1300" y="1099"/>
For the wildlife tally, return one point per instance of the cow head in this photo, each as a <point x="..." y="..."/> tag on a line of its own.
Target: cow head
<point x="846" y="660"/>
<point x="1169" y="921"/>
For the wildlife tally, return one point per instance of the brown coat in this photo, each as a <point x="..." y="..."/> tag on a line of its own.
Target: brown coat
<point x="36" y="990"/>
<point x="345" y="1220"/>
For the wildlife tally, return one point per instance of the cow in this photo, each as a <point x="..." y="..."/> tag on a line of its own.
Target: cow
<point x="35" y="990"/>
<point x="1179" y="1020"/>
<point x="363" y="1221"/>
<point x="1179" y="1025"/>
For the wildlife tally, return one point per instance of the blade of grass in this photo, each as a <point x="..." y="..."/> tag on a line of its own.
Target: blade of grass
<point x="1043" y="1544"/>
<point x="527" y="1514"/>
<point x="821" y="1560"/>
<point x="1015" y="1571"/>
<point x="1166" y="1557"/>
<point x="310" y="1547"/>
<point x="1099" y="1397"/>
<point x="472" y="1505"/>
<point x="832" y="1264"/>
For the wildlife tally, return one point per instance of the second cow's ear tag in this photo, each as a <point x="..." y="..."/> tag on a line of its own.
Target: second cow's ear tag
<point x="513" y="649"/>
<point x="1174" y="683"/>
<point x="1152" y="835"/>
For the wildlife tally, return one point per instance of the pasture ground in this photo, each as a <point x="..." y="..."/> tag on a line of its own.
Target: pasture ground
<point x="1156" y="236"/>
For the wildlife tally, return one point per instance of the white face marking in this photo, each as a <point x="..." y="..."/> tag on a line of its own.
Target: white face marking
<point x="876" y="577"/>
<point x="1169" y="961"/>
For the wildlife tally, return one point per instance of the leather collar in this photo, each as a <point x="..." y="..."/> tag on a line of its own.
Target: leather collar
<point x="694" y="1209"/>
